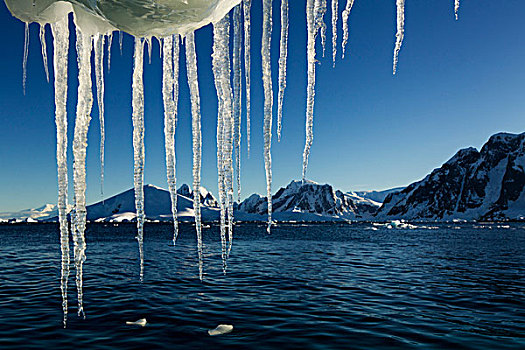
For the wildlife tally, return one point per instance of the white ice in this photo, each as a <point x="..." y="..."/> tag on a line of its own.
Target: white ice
<point x="221" y="329"/>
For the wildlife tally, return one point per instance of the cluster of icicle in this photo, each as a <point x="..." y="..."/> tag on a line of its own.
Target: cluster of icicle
<point x="229" y="94"/>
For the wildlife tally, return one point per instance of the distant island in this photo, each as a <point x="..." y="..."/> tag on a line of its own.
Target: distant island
<point x="472" y="185"/>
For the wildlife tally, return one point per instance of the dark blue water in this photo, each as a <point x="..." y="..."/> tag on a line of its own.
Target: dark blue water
<point x="303" y="287"/>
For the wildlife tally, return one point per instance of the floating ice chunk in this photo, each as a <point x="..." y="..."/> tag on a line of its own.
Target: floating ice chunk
<point x="221" y="329"/>
<point x="398" y="224"/>
<point x="142" y="322"/>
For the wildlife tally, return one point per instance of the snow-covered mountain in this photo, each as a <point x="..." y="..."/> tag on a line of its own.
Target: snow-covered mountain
<point x="157" y="205"/>
<point x="376" y="196"/>
<point x="45" y="212"/>
<point x="473" y="185"/>
<point x="310" y="201"/>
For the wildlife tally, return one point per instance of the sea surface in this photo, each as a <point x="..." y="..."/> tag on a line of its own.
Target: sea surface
<point x="330" y="286"/>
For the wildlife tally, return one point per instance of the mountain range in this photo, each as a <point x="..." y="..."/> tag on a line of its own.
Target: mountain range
<point x="473" y="185"/>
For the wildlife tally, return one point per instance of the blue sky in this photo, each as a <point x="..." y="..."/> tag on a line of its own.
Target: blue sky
<point x="457" y="84"/>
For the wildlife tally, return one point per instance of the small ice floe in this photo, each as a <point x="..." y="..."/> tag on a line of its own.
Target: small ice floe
<point x="142" y="322"/>
<point x="399" y="224"/>
<point x="220" y="329"/>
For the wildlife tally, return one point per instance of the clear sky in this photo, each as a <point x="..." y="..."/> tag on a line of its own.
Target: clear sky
<point x="457" y="84"/>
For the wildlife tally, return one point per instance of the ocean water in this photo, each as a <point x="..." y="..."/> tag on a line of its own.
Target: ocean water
<point x="331" y="286"/>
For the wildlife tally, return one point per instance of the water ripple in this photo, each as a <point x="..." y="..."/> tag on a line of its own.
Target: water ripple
<point x="333" y="286"/>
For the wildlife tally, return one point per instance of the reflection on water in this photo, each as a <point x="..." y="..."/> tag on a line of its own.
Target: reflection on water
<point x="314" y="286"/>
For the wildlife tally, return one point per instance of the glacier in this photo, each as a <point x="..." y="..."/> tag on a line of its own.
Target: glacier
<point x="170" y="21"/>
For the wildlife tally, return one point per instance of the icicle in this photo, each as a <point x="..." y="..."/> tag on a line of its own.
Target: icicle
<point x="24" y="62"/>
<point x="229" y="118"/>
<point x="110" y="41"/>
<point x="216" y="67"/>
<point x="99" y="74"/>
<point x="400" y="31"/>
<point x="315" y="11"/>
<point x="346" y="30"/>
<point x="191" y="63"/>
<point x="456" y="8"/>
<point x="176" y="51"/>
<point x="268" y="101"/>
<point x="60" y="31"/>
<point x="169" y="125"/>
<point x="225" y="130"/>
<point x="321" y="26"/>
<point x="335" y="17"/>
<point x="138" y="144"/>
<point x="310" y="92"/>
<point x="149" y="43"/>
<point x="237" y="86"/>
<point x="83" y="117"/>
<point x="247" y="4"/>
<point x="44" y="49"/>
<point x="283" y="54"/>
<point x="120" y="41"/>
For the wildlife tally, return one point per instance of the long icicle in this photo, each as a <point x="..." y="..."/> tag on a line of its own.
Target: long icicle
<point x="335" y="18"/>
<point x="24" y="62"/>
<point x="138" y="144"/>
<point x="110" y="42"/>
<point x="456" y="9"/>
<point x="149" y="43"/>
<point x="217" y="66"/>
<point x="311" y="10"/>
<point x="247" y="4"/>
<point x="283" y="55"/>
<point x="268" y="101"/>
<point x="225" y="129"/>
<point x="191" y="63"/>
<point x="60" y="31"/>
<point x="44" y="49"/>
<point x="83" y="118"/>
<point x="99" y="75"/>
<point x="346" y="30"/>
<point x="229" y="123"/>
<point x="169" y="125"/>
<point x="176" y="54"/>
<point x="321" y="26"/>
<point x="400" y="31"/>
<point x="237" y="97"/>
